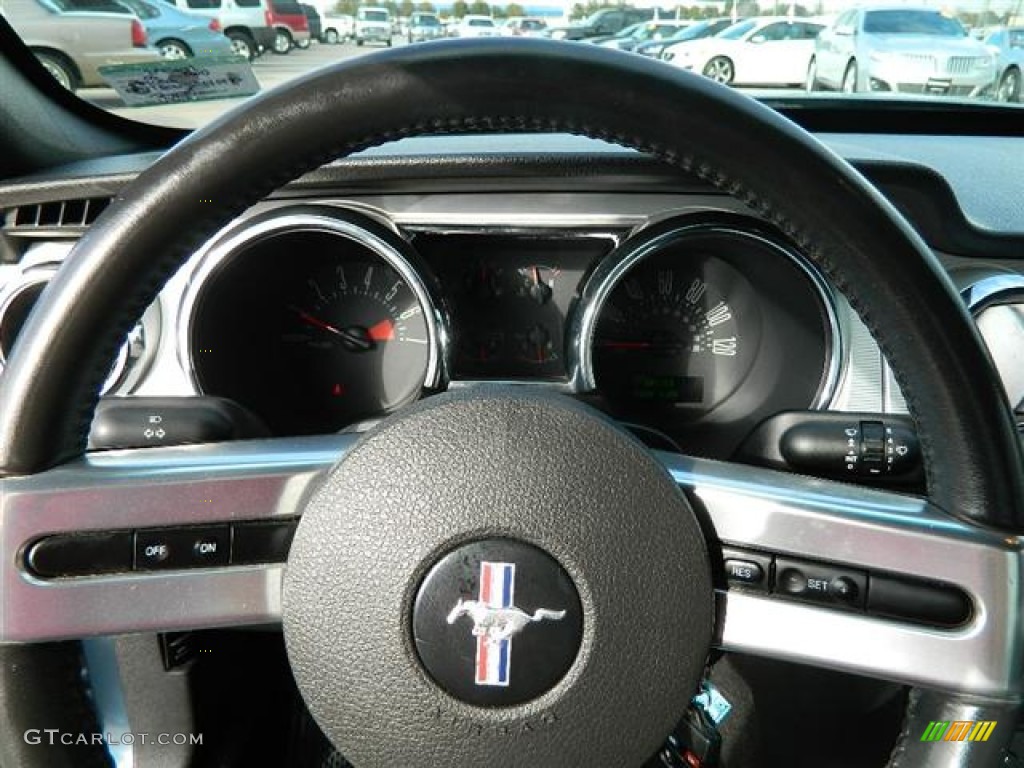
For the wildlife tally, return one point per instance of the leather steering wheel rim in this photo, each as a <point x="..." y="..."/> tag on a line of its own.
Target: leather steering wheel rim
<point x="860" y="242"/>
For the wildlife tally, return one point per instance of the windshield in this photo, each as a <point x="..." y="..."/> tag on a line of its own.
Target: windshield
<point x="737" y="31"/>
<point x="183" y="62"/>
<point x="900" y="22"/>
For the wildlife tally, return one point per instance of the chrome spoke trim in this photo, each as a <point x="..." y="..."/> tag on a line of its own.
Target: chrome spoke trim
<point x="802" y="517"/>
<point x="876" y="531"/>
<point x="151" y="488"/>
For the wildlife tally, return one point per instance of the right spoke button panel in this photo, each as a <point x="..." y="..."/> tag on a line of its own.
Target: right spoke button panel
<point x="847" y="588"/>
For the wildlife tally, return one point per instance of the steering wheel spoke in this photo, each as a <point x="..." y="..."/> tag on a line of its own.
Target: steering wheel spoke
<point x="878" y="533"/>
<point x="136" y="493"/>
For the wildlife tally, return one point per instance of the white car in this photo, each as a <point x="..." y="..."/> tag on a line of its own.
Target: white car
<point x="476" y="26"/>
<point x="773" y="50"/>
<point x="337" y="27"/>
<point x="902" y="49"/>
<point x="373" y="25"/>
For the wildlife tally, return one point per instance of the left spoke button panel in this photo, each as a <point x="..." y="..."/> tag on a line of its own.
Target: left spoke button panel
<point x="158" y="549"/>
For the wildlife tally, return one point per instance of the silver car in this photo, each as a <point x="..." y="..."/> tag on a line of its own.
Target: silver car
<point x="1008" y="46"/>
<point x="900" y="49"/>
<point x="72" y="45"/>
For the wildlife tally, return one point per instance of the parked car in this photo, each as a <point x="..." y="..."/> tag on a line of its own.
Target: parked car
<point x="291" y="27"/>
<point x="373" y="25"/>
<point x="424" y="26"/>
<point x="244" y="22"/>
<point x="473" y="25"/>
<point x="607" y="21"/>
<point x="1008" y="46"/>
<point x="525" y="26"/>
<point x="629" y="38"/>
<point x="72" y="45"/>
<point x="900" y="49"/>
<point x="771" y="50"/>
<point x="337" y="27"/>
<point x="696" y="31"/>
<point x="316" y="28"/>
<point x="176" y="34"/>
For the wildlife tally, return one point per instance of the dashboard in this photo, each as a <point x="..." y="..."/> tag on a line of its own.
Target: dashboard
<point x="374" y="283"/>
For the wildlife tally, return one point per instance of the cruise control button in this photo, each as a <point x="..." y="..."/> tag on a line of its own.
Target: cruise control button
<point x="820" y="583"/>
<point x="749" y="570"/>
<point x="744" y="571"/>
<point x="169" y="548"/>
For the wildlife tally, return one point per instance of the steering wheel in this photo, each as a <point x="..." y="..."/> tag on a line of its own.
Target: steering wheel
<point x="616" y="610"/>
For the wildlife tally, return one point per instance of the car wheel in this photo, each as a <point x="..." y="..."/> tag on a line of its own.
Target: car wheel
<point x="359" y="42"/>
<point x="331" y="37"/>
<point x="302" y="44"/>
<point x="719" y="69"/>
<point x="174" y="50"/>
<point x="812" y="84"/>
<point x="850" y="78"/>
<point x="59" y="67"/>
<point x="282" y="42"/>
<point x="1009" y="86"/>
<point x="242" y="45"/>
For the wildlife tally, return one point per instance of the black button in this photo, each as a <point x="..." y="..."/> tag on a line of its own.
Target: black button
<point x="744" y="572"/>
<point x="918" y="601"/>
<point x="818" y="583"/>
<point x="80" y="554"/>
<point x="844" y="589"/>
<point x="167" y="548"/>
<point x="749" y="570"/>
<point x="262" y="542"/>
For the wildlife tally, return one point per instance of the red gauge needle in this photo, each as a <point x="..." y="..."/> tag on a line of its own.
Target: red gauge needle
<point x="355" y="339"/>
<point x="316" y="321"/>
<point x="382" y="331"/>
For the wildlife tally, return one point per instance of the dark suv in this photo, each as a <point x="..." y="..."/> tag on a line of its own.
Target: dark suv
<point x="604" y="22"/>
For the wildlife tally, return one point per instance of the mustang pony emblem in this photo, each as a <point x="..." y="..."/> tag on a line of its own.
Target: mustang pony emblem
<point x="498" y="623"/>
<point x="496" y="620"/>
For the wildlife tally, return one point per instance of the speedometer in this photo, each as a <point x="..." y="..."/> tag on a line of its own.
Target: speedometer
<point x="677" y="333"/>
<point x="703" y="325"/>
<point x="313" y="322"/>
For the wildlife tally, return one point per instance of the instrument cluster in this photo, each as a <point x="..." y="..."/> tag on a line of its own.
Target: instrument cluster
<point x="318" y="318"/>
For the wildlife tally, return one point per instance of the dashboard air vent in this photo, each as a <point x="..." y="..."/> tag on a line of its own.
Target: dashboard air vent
<point x="69" y="216"/>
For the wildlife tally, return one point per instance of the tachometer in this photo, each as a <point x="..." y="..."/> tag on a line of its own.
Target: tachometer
<point x="313" y="324"/>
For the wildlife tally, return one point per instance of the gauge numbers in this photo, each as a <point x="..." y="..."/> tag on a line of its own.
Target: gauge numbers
<point x="678" y="334"/>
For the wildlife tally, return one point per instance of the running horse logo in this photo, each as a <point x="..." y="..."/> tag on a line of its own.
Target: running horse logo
<point x="496" y="620"/>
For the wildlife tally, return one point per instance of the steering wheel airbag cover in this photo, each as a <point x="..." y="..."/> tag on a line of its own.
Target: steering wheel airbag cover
<point x="495" y="464"/>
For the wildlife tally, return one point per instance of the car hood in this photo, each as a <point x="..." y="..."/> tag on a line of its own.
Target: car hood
<point x="964" y="46"/>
